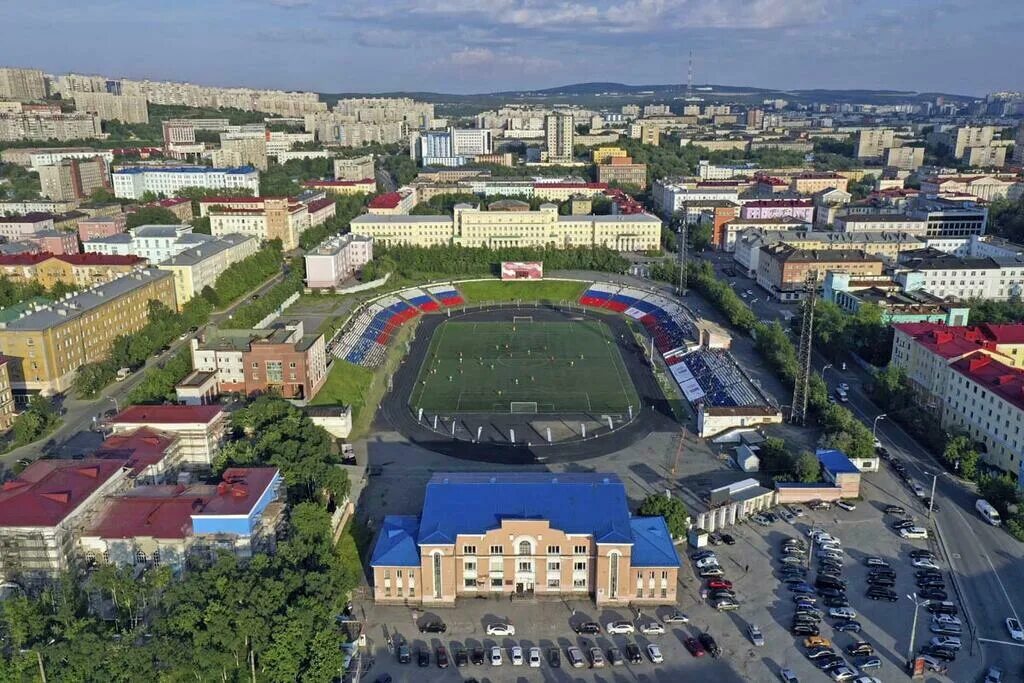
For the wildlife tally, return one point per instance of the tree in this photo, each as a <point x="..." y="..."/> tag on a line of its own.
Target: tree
<point x="700" y="235"/>
<point x="671" y="508"/>
<point x="961" y="455"/>
<point x="36" y="421"/>
<point x="807" y="468"/>
<point x="152" y="215"/>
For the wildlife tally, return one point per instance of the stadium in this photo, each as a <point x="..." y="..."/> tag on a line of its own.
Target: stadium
<point x="533" y="379"/>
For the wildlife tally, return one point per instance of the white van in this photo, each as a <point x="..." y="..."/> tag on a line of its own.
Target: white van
<point x="841" y="395"/>
<point x="988" y="513"/>
<point x="914" y="532"/>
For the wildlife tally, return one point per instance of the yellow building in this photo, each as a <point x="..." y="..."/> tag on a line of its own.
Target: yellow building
<point x="471" y="227"/>
<point x="79" y="270"/>
<point x="6" y="397"/>
<point x="200" y="266"/>
<point x="47" y="344"/>
<point x="602" y="155"/>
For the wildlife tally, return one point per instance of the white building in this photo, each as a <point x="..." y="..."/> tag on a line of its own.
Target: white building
<point x="336" y="259"/>
<point x="132" y="183"/>
<point x="670" y="196"/>
<point x="945" y="275"/>
<point x="155" y="243"/>
<point x="198" y="267"/>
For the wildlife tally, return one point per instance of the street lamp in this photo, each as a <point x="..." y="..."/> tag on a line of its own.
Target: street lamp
<point x="823" y="369"/>
<point x="874" y="425"/>
<point x="913" y="628"/>
<point x="117" y="408"/>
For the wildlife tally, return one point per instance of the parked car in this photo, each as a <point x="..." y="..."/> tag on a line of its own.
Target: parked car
<point x="677" y="617"/>
<point x="554" y="658"/>
<point x="842" y="613"/>
<point x="496" y="659"/>
<point x="719" y="583"/>
<point x="728" y="539"/>
<point x="709" y="644"/>
<point x="710" y="571"/>
<point x="756" y="637"/>
<point x="501" y="629"/>
<point x="694" y="647"/>
<point x="461" y="657"/>
<point x="817" y="652"/>
<point x="575" y="656"/>
<point x="924" y="563"/>
<point x="588" y="628"/>
<point x="914" y="532"/>
<point x="850" y="626"/>
<point x="707" y="562"/>
<point x="849" y="507"/>
<point x="1014" y="627"/>
<point x="433" y="626"/>
<point x="802" y="629"/>
<point x="654" y="652"/>
<point x="619" y="628"/>
<point x="875" y="562"/>
<point x="615" y="657"/>
<point x="633" y="654"/>
<point x="882" y="594"/>
<point x="933" y="594"/>
<point x="441" y="657"/>
<point x="837" y="602"/>
<point x="596" y="658"/>
<point x="939" y="607"/>
<point x="725" y="605"/>
<point x="894" y="510"/>
<point x="817" y="641"/>
<point x="422" y="657"/>
<point x="994" y="675"/>
<point x="860" y="649"/>
<point x="477" y="656"/>
<point x="832" y="592"/>
<point x="869" y="663"/>
<point x="951" y="642"/>
<point x="943" y="653"/>
<point x="652" y="628"/>
<point x="516" y="655"/>
<point x="534" y="657"/>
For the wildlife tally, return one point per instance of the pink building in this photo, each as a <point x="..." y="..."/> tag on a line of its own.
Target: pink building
<point x="336" y="259"/>
<point x="800" y="209"/>
<point x="320" y="210"/>
<point x="18" y="227"/>
<point x="101" y="226"/>
<point x="55" y="241"/>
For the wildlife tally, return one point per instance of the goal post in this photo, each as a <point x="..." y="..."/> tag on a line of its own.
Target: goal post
<point x="522" y="319"/>
<point x="522" y="407"/>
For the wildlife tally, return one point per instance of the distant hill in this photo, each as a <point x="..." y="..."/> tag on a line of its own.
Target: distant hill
<point x="606" y="94"/>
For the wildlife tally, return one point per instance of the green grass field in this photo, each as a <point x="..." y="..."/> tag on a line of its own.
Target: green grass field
<point x="560" y="366"/>
<point x="526" y="290"/>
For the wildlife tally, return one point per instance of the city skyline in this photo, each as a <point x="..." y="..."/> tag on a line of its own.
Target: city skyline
<point x="456" y="47"/>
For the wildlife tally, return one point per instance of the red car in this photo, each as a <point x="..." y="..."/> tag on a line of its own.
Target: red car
<point x="694" y="646"/>
<point x="716" y="584"/>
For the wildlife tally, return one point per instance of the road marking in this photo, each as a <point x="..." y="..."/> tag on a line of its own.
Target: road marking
<point x="1000" y="581"/>
<point x="1000" y="642"/>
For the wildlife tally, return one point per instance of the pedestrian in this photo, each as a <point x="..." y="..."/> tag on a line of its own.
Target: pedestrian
<point x="747" y="569"/>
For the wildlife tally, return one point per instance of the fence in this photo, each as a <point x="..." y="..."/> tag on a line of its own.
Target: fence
<point x="271" y="317"/>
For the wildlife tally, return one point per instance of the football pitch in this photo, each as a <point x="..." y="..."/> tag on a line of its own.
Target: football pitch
<point x="523" y="367"/>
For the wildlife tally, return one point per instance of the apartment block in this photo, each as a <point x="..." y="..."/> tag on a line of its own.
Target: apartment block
<point x="354" y="169"/>
<point x="336" y="259"/>
<point x="54" y="241"/>
<point x="959" y="139"/>
<point x="264" y="218"/>
<point x="343" y="187"/>
<point x="622" y="170"/>
<point x="559" y="133"/>
<point x="871" y="143"/>
<point x="989" y="157"/>
<point x="281" y="142"/>
<point x="985" y="187"/>
<point x="947" y="275"/>
<point x="201" y="430"/>
<point x="97" y="227"/>
<point x="242" y="149"/>
<point x="47" y="125"/>
<point x="782" y="270"/>
<point x="282" y="359"/>
<point x="110" y="107"/>
<point x="7" y="409"/>
<point x="881" y="222"/>
<point x="48" y="343"/>
<point x="132" y="183"/>
<point x="907" y="158"/>
<point x="14" y="228"/>
<point x="155" y="243"/>
<point x="971" y="379"/>
<point x="810" y="182"/>
<point x="22" y="84"/>
<point x="469" y="226"/>
<point x="801" y="209"/>
<point x="74" y="179"/>
<point x="34" y="157"/>
<point x="525" y="534"/>
<point x="604" y="155"/>
<point x="41" y="510"/>
<point x="198" y="267"/>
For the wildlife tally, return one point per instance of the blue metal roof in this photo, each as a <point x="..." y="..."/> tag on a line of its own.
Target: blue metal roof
<point x="835" y="461"/>
<point x="396" y="543"/>
<point x="652" y="543"/>
<point x="458" y="503"/>
<point x="186" y="169"/>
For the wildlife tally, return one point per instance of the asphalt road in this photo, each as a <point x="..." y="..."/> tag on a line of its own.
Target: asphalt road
<point x="988" y="562"/>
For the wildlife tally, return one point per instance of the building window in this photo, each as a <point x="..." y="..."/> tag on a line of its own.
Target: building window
<point x="469" y="582"/>
<point x="579" y="566"/>
<point x="525" y="548"/>
<point x="579" y="550"/>
<point x="554" y="566"/>
<point x="554" y="583"/>
<point x="497" y="550"/>
<point x="579" y="583"/>
<point x="554" y="550"/>
<point x="469" y="550"/>
<point x="496" y="582"/>
<point x="437" y="575"/>
<point x="613" y="575"/>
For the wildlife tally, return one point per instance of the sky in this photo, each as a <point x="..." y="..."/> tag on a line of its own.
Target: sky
<point x="969" y="47"/>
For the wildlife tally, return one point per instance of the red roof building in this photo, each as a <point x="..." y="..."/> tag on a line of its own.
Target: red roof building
<point x="167" y="415"/>
<point x="149" y="453"/>
<point x="200" y="429"/>
<point x="388" y="200"/>
<point x="39" y="510"/>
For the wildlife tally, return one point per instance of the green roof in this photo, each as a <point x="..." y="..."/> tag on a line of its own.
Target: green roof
<point x="14" y="311"/>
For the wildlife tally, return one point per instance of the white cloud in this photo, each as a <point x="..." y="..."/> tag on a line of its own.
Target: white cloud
<point x="291" y="4"/>
<point x="486" y="58"/>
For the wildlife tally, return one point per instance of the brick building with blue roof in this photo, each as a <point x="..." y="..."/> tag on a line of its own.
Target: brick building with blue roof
<point x="531" y="533"/>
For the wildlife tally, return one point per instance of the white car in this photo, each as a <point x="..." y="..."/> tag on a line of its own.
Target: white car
<point x="654" y="652"/>
<point x="914" y="532"/>
<point x="495" y="656"/>
<point x="535" y="657"/>
<point x="501" y="629"/>
<point x="842" y="673"/>
<point x="617" y="628"/>
<point x="946" y="620"/>
<point x="918" y="490"/>
<point x="831" y="548"/>
<point x="652" y="628"/>
<point x="924" y="563"/>
<point x="849" y="507"/>
<point x="1014" y="627"/>
<point x="756" y="637"/>
<point x="516" y="655"/>
<point x="947" y="641"/>
<point x="677" y="617"/>
<point x="842" y="613"/>
<point x="844" y="386"/>
<point x="707" y="562"/>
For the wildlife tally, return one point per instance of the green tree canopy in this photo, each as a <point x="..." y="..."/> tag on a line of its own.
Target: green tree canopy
<point x="671" y="508"/>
